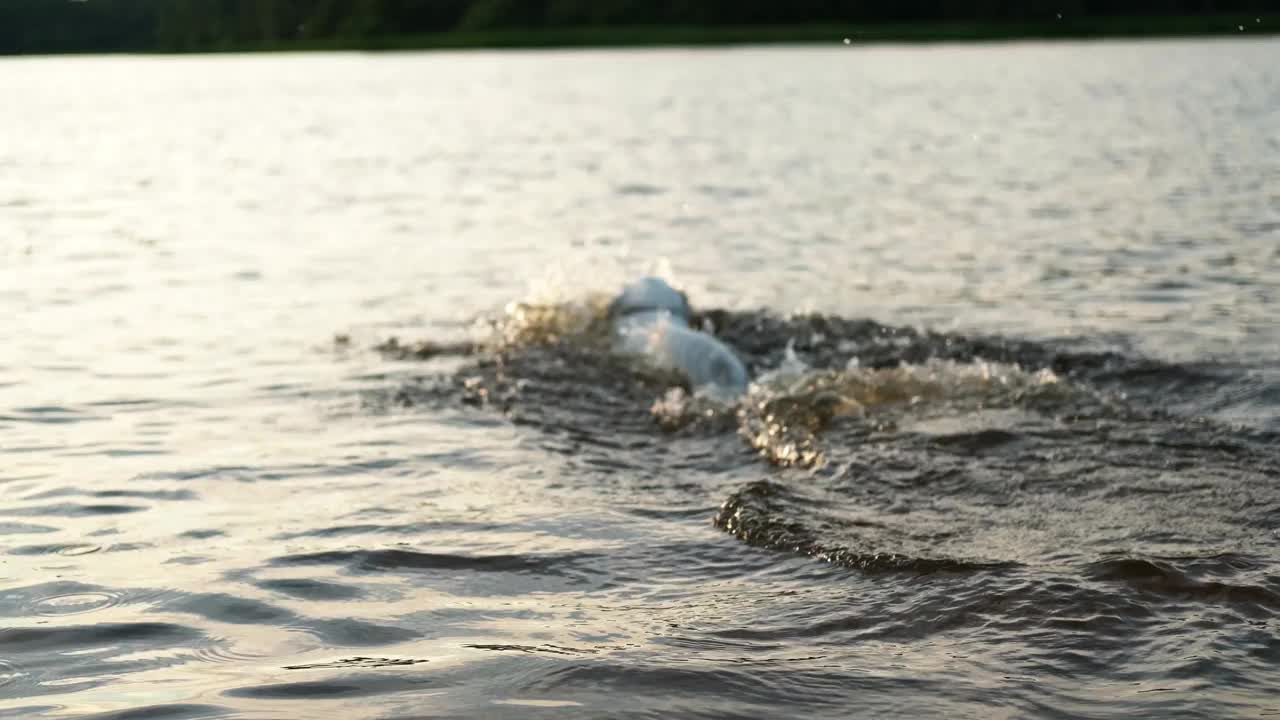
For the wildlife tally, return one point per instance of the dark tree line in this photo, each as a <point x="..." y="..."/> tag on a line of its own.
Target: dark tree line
<point x="49" y="26"/>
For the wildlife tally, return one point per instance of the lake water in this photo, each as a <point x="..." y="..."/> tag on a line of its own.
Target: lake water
<point x="1012" y="453"/>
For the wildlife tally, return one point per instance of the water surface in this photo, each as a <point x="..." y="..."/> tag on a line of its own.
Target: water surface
<point x="1012" y="454"/>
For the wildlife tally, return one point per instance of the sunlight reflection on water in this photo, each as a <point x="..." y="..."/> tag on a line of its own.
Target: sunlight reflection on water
<point x="205" y="515"/>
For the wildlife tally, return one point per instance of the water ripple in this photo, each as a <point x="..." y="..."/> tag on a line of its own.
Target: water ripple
<point x="72" y="510"/>
<point x="357" y="662"/>
<point x="393" y="560"/>
<point x="308" y="589"/>
<point x="77" y="603"/>
<point x="10" y="673"/>
<point x="67" y="550"/>
<point x="1175" y="579"/>
<point x="175" y="711"/>
<point x="347" y="686"/>
<point x="72" y="637"/>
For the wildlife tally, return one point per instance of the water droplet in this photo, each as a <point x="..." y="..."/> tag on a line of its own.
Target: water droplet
<point x="847" y="41"/>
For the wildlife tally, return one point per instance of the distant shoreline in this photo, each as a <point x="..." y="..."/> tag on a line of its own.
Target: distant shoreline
<point x="1067" y="28"/>
<point x="1083" y="28"/>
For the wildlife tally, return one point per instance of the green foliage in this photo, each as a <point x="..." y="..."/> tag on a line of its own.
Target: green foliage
<point x="53" y="26"/>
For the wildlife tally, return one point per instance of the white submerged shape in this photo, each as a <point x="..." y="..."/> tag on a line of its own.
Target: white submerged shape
<point x="651" y="318"/>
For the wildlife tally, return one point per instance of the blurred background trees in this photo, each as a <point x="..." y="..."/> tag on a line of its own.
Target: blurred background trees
<point x="51" y="26"/>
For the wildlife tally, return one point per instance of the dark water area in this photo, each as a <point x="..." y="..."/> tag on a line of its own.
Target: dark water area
<point x="981" y="538"/>
<point x="1010" y="448"/>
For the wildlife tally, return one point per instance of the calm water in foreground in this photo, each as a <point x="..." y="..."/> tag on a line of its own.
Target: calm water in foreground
<point x="1013" y="452"/>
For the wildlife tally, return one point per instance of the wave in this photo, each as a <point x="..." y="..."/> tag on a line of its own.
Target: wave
<point x="891" y="449"/>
